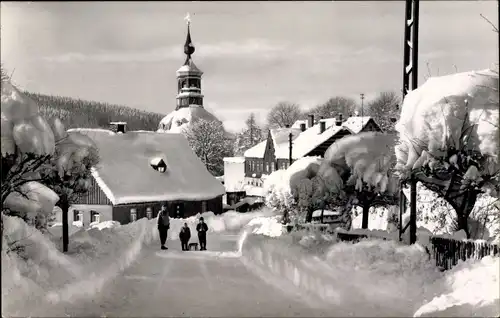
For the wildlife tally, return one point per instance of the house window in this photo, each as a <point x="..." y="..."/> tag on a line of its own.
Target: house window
<point x="267" y="167"/>
<point x="133" y="215"/>
<point x="149" y="213"/>
<point x="76" y="215"/>
<point x="253" y="166"/>
<point x="203" y="206"/>
<point x="272" y="167"/>
<point x="95" y="217"/>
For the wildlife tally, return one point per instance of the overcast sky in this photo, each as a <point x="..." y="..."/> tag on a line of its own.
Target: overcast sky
<point x="254" y="54"/>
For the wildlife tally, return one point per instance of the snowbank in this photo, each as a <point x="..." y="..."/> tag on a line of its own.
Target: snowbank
<point x="41" y="276"/>
<point x="471" y="289"/>
<point x="370" y="278"/>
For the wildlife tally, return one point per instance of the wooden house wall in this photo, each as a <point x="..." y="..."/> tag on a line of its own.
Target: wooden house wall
<point x="121" y="213"/>
<point x="94" y="196"/>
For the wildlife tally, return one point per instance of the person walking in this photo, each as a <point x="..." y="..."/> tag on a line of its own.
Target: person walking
<point x="185" y="236"/>
<point x="202" y="229"/>
<point x="163" y="226"/>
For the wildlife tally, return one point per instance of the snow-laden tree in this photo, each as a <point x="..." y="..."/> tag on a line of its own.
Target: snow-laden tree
<point x="31" y="149"/>
<point x="251" y="135"/>
<point x="27" y="144"/>
<point x="449" y="139"/>
<point x="283" y="114"/>
<point x="209" y="141"/>
<point x="384" y="110"/>
<point x="334" y="106"/>
<point x="69" y="171"/>
<point x="439" y="216"/>
<point x="278" y="195"/>
<point x="356" y="171"/>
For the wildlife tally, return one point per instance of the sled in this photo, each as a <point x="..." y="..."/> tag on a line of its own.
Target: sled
<point x="192" y="246"/>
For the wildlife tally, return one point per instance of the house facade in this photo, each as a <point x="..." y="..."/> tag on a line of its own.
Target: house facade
<point x="304" y="138"/>
<point x="138" y="172"/>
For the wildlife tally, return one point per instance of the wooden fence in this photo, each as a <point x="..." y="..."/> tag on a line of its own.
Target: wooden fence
<point x="447" y="252"/>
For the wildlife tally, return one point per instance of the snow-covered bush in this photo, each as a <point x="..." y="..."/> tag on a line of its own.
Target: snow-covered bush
<point x="449" y="140"/>
<point x="291" y="190"/>
<point x="357" y="171"/>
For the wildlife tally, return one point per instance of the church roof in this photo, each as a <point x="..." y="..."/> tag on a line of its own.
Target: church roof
<point x="189" y="68"/>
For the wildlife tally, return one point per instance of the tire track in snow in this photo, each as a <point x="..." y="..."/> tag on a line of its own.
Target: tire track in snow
<point x="167" y="267"/>
<point x="206" y="275"/>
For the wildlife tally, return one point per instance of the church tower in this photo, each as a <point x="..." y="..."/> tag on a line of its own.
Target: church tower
<point x="189" y="78"/>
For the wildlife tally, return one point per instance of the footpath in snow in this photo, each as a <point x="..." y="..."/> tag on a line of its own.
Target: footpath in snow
<point x="119" y="271"/>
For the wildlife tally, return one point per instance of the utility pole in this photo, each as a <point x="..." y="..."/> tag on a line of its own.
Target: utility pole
<point x="410" y="67"/>
<point x="362" y="107"/>
<point x="290" y="145"/>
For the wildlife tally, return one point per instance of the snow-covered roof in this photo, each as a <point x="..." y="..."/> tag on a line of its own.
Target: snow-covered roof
<point x="254" y="191"/>
<point x="317" y="213"/>
<point x="156" y="160"/>
<point x="189" y="68"/>
<point x="356" y="123"/>
<point x="305" y="141"/>
<point x="125" y="176"/>
<point x="234" y="159"/>
<point x="256" y="151"/>
<point x="311" y="138"/>
<point x="91" y="130"/>
<point x="118" y="123"/>
<point x="178" y="120"/>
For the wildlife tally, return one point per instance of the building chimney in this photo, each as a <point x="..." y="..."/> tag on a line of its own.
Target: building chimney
<point x="118" y="127"/>
<point x="338" y="122"/>
<point x="322" y="127"/>
<point x="303" y="127"/>
<point x="287" y="126"/>
<point x="311" y="120"/>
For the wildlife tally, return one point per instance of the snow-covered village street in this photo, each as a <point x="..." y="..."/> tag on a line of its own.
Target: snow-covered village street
<point x="173" y="283"/>
<point x="252" y="159"/>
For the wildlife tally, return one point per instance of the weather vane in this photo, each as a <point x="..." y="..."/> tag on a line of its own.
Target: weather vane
<point x="188" y="18"/>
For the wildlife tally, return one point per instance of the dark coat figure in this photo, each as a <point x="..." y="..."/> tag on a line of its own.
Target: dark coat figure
<point x="163" y="226"/>
<point x="185" y="236"/>
<point x="202" y="229"/>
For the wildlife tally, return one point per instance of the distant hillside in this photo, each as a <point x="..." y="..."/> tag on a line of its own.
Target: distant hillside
<point x="76" y="113"/>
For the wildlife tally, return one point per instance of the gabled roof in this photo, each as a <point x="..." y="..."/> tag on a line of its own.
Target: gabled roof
<point x="312" y="138"/>
<point x="306" y="141"/>
<point x="356" y="123"/>
<point x="125" y="175"/>
<point x="279" y="136"/>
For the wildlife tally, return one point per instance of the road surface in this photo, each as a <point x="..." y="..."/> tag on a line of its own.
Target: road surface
<point x="203" y="283"/>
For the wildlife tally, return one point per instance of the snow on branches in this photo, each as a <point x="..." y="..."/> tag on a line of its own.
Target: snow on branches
<point x="209" y="141"/>
<point x="38" y="159"/>
<point x="449" y="138"/>
<point x="359" y="168"/>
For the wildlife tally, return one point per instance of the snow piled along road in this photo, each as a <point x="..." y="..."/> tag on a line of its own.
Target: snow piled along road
<point x="259" y="273"/>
